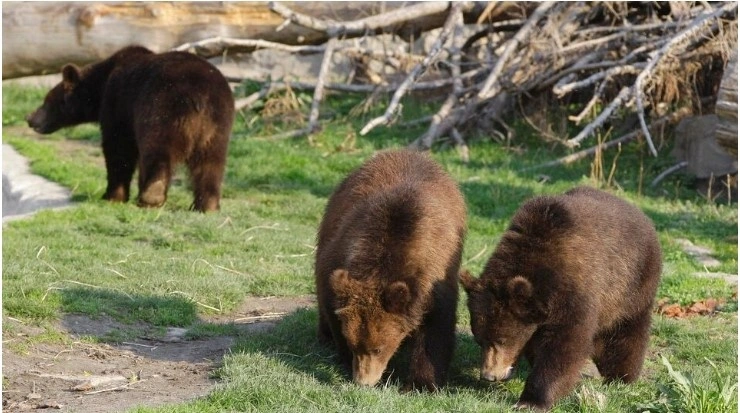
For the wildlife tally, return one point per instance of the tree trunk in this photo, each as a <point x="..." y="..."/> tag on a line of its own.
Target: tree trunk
<point x="40" y="37"/>
<point x="726" y="108"/>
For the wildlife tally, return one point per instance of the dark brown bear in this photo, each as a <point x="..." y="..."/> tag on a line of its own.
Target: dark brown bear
<point x="387" y="266"/>
<point x="573" y="277"/>
<point x="155" y="111"/>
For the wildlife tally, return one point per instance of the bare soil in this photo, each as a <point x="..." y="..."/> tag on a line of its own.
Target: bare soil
<point x="149" y="370"/>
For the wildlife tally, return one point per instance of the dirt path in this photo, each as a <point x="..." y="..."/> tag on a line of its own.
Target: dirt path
<point x="92" y="377"/>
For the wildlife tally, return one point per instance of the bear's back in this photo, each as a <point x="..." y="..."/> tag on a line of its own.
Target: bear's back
<point x="400" y="206"/>
<point x="599" y="248"/>
<point x="167" y="84"/>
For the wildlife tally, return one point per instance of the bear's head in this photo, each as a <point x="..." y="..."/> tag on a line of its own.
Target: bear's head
<point x="68" y="103"/>
<point x="504" y="313"/>
<point x="374" y="322"/>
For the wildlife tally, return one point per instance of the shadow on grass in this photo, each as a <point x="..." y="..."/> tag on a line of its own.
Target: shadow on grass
<point x="294" y="343"/>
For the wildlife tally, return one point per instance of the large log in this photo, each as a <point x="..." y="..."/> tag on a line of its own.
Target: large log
<point x="726" y="109"/>
<point x="40" y="37"/>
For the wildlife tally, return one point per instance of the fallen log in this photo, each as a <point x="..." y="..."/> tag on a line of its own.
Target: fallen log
<point x="40" y="37"/>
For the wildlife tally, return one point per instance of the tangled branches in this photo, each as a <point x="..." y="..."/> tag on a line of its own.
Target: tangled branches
<point x="608" y="58"/>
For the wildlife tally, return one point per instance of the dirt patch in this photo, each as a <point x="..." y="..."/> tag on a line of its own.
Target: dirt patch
<point x="152" y="368"/>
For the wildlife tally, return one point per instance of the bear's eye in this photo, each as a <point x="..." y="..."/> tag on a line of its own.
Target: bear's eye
<point x="375" y="351"/>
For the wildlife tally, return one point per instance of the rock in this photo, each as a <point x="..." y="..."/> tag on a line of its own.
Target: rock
<point x="696" y="144"/>
<point x="699" y="253"/>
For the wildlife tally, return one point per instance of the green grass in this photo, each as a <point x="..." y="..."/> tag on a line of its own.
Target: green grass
<point x="170" y="267"/>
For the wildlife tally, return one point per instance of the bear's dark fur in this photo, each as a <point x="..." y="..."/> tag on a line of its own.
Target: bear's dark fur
<point x="573" y="277"/>
<point x="387" y="265"/>
<point x="155" y="111"/>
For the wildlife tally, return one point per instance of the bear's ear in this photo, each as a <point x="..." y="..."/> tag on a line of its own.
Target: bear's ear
<point x="522" y="301"/>
<point x="396" y="297"/>
<point x="70" y="75"/>
<point x="340" y="282"/>
<point x="469" y="283"/>
<point x="519" y="289"/>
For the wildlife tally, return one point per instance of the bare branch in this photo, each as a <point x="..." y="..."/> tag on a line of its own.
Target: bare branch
<point x="488" y="90"/>
<point x="696" y="26"/>
<point x="663" y="121"/>
<point x="318" y="93"/>
<point x="368" y="24"/>
<point x="251" y="43"/>
<point x="667" y="172"/>
<point x="603" y="116"/>
<point x="403" y="88"/>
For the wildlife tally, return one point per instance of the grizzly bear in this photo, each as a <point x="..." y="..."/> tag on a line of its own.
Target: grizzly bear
<point x="155" y="111"/>
<point x="573" y="277"/>
<point x="387" y="267"/>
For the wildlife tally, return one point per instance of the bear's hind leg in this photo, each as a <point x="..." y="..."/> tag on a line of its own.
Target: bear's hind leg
<point x="623" y="350"/>
<point x="155" y="172"/>
<point x="206" y="173"/>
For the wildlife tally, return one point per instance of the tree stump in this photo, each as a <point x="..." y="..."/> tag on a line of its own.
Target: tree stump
<point x="726" y="108"/>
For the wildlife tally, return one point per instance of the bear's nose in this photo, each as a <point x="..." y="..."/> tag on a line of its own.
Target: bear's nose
<point x="490" y="375"/>
<point x="32" y="120"/>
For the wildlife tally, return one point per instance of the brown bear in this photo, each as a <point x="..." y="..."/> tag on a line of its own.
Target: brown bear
<point x="387" y="266"/>
<point x="573" y="277"/>
<point x="155" y="111"/>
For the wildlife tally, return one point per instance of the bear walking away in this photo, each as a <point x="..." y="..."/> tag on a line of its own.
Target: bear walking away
<point x="387" y="265"/>
<point x="155" y="111"/>
<point x="573" y="277"/>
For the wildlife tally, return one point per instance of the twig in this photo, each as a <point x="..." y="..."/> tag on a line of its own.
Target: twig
<point x="492" y="84"/>
<point x="128" y="343"/>
<point x="460" y="142"/>
<point x="589" y="129"/>
<point x="673" y="117"/>
<point x="262" y="317"/>
<point x="561" y="90"/>
<point x="318" y="93"/>
<point x="117" y="273"/>
<point x="667" y="172"/>
<point x="247" y="102"/>
<point x="403" y="88"/>
<point x="476" y="256"/>
<point x="252" y="43"/>
<point x="121" y="387"/>
<point x="452" y="98"/>
<point x="284" y="135"/>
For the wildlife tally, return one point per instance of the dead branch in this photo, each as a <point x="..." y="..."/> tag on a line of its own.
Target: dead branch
<point x="230" y="42"/>
<point x="659" y="123"/>
<point x="664" y="174"/>
<point x="697" y="25"/>
<point x="318" y="93"/>
<point x="401" y="91"/>
<point x="633" y="58"/>
<point x="368" y="24"/>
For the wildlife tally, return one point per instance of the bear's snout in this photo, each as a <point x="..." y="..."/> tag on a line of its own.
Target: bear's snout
<point x="36" y="122"/>
<point x="491" y="375"/>
<point x="497" y="364"/>
<point x="367" y="370"/>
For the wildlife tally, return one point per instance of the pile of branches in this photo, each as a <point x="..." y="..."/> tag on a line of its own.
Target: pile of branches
<point x="655" y="60"/>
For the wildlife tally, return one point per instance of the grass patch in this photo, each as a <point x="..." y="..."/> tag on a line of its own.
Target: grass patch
<point x="171" y="267"/>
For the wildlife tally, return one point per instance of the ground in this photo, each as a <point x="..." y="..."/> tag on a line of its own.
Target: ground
<point x="93" y="377"/>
